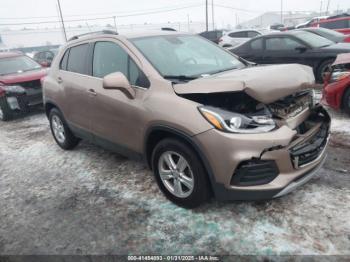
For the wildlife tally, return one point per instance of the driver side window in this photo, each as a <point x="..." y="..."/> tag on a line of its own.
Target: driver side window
<point x="110" y="58"/>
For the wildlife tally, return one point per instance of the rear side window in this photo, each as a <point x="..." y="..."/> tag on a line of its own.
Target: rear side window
<point x="242" y="34"/>
<point x="76" y="60"/>
<point x="336" y="24"/>
<point x="252" y="34"/>
<point x="63" y="64"/>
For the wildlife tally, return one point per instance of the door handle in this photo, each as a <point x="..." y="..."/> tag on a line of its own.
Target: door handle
<point x="92" y="92"/>
<point x="59" y="80"/>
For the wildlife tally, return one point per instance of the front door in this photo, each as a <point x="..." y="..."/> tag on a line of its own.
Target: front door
<point x="115" y="117"/>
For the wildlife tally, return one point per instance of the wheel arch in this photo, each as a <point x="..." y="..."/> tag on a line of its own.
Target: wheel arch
<point x="157" y="133"/>
<point x="324" y="59"/>
<point x="342" y="102"/>
<point x="49" y="105"/>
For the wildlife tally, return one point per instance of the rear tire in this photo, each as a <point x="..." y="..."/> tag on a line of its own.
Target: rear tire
<point x="346" y="101"/>
<point x="61" y="132"/>
<point x="5" y="110"/>
<point x="322" y="68"/>
<point x="186" y="183"/>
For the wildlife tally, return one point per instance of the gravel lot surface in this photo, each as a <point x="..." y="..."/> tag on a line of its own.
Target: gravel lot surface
<point x="91" y="201"/>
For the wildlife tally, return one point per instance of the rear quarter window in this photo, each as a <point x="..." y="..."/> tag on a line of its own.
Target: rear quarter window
<point x="64" y="60"/>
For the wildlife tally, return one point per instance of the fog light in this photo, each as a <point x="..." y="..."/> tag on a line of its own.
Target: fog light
<point x="235" y="122"/>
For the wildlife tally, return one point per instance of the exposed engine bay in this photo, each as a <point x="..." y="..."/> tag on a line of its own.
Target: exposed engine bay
<point x="240" y="102"/>
<point x="292" y="105"/>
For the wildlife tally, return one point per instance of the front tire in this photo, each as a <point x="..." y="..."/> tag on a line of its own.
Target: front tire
<point x="346" y="101"/>
<point x="180" y="173"/>
<point x="61" y="132"/>
<point x="5" y="110"/>
<point x="323" y="68"/>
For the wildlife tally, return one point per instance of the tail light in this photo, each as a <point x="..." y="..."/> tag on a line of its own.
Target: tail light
<point x="220" y="39"/>
<point x="347" y="39"/>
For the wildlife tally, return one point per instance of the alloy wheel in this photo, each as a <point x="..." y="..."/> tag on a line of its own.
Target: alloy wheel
<point x="58" y="129"/>
<point x="176" y="174"/>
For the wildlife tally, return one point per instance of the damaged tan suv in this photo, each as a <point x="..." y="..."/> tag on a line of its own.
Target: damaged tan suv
<point x="207" y="122"/>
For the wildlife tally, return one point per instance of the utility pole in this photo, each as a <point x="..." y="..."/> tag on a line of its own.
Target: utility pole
<point x="188" y="22"/>
<point x="63" y="27"/>
<point x="321" y="8"/>
<point x="115" y="23"/>
<point x="212" y="14"/>
<point x="206" y="15"/>
<point x="281" y="11"/>
<point x="328" y="6"/>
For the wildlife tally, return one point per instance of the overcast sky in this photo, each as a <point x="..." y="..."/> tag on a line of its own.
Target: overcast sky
<point x="17" y="11"/>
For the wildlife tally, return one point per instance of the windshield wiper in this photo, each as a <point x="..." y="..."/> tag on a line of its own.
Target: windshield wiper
<point x="180" y="77"/>
<point x="223" y="70"/>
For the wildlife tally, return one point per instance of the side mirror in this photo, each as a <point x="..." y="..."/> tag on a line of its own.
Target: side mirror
<point x="118" y="81"/>
<point x="301" y="49"/>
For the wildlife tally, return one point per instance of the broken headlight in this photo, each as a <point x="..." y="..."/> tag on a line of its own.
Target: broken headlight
<point x="237" y="123"/>
<point x="339" y="75"/>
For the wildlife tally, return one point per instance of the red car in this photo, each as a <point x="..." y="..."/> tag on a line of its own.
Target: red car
<point x="20" y="84"/>
<point x="340" y="24"/>
<point x="336" y="91"/>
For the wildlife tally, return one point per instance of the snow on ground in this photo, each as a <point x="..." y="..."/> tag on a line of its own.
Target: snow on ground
<point x="91" y="201"/>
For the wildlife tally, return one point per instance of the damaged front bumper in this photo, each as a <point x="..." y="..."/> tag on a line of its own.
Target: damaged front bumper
<point x="269" y="165"/>
<point x="19" y="98"/>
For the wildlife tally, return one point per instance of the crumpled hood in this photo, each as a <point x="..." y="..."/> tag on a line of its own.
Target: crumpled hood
<point x="266" y="84"/>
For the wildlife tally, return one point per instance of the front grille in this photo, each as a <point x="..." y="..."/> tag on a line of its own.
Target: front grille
<point x="255" y="172"/>
<point x="310" y="150"/>
<point x="35" y="84"/>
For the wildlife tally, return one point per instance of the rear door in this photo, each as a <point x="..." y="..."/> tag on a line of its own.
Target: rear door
<point x="283" y="50"/>
<point x="73" y="77"/>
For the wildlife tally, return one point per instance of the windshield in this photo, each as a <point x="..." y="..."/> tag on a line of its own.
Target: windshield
<point x="18" y="64"/>
<point x="314" y="40"/>
<point x="328" y="32"/>
<point x="185" y="55"/>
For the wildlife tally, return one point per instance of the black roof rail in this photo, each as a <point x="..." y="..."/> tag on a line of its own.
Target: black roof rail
<point x="103" y="32"/>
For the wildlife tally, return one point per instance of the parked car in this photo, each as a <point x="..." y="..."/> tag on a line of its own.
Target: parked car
<point x="293" y="47"/>
<point x="213" y="36"/>
<point x="336" y="91"/>
<point x="340" y="24"/>
<point x="44" y="58"/>
<point x="237" y="37"/>
<point x="329" y="34"/>
<point x="277" y="26"/>
<point x="311" y="21"/>
<point x="20" y="84"/>
<point x="204" y="121"/>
